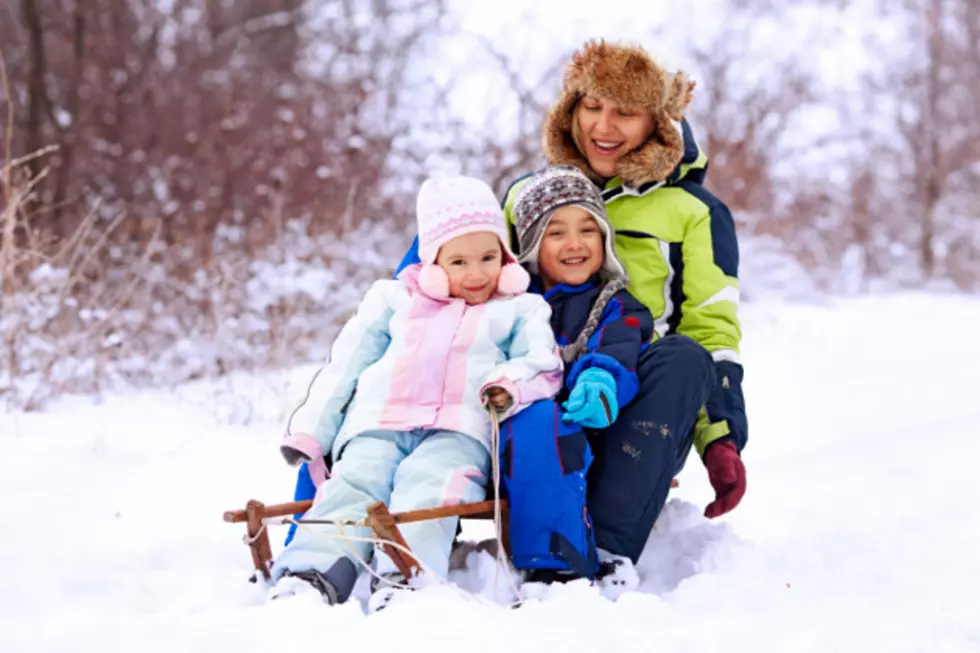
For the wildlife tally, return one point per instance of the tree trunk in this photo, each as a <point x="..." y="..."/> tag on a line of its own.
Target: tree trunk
<point x="36" y="101"/>
<point x="70" y="133"/>
<point x="933" y="181"/>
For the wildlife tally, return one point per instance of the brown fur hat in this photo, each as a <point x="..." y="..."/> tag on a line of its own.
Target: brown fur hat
<point x="627" y="74"/>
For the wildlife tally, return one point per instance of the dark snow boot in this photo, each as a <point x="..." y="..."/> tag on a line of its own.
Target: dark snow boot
<point x="550" y="576"/>
<point x="335" y="585"/>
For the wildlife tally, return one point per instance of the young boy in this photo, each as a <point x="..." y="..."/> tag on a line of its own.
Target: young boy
<point x="566" y="242"/>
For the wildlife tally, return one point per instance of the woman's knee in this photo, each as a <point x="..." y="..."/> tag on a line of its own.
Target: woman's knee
<point x="681" y="354"/>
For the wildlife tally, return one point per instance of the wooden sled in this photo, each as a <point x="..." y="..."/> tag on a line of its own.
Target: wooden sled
<point x="383" y="525"/>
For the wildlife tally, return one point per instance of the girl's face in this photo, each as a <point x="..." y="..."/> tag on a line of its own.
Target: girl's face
<point x="605" y="130"/>
<point x="472" y="262"/>
<point x="571" y="248"/>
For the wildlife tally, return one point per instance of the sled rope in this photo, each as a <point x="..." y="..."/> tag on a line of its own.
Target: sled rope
<point x="250" y="540"/>
<point x="497" y="512"/>
<point x="348" y="539"/>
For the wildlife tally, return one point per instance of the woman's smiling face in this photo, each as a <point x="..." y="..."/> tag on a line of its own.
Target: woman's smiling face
<point x="605" y="130"/>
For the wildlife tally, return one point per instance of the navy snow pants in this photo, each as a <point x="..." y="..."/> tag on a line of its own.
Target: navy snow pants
<point x="637" y="456"/>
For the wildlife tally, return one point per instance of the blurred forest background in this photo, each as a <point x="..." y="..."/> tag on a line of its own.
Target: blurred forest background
<point x="193" y="187"/>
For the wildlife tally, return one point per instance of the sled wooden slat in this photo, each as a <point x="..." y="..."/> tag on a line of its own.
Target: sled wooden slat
<point x="385" y="528"/>
<point x="478" y="510"/>
<point x="276" y="510"/>
<point x="258" y="538"/>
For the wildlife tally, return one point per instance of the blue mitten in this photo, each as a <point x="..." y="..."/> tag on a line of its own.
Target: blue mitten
<point x="593" y="400"/>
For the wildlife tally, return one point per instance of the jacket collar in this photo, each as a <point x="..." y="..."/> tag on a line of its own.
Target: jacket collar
<point x="564" y="288"/>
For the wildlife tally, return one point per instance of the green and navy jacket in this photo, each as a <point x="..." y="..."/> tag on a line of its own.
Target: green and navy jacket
<point x="678" y="244"/>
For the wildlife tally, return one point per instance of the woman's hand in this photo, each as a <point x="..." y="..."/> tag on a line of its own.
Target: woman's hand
<point x="726" y="471"/>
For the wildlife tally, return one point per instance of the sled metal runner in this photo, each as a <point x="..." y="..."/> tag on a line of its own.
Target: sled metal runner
<point x="383" y="525"/>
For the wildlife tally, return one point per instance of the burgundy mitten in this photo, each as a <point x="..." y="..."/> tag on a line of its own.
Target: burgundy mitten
<point x="727" y="475"/>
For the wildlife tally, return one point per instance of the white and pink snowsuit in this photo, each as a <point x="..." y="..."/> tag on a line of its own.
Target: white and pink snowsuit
<point x="415" y="434"/>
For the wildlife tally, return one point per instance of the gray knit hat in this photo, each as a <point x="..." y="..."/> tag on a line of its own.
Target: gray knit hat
<point x="551" y="189"/>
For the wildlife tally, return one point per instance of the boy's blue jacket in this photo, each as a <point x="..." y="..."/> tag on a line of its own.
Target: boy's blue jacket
<point x="624" y="329"/>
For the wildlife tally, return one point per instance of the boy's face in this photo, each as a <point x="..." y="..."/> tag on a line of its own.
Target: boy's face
<point x="472" y="262"/>
<point x="571" y="248"/>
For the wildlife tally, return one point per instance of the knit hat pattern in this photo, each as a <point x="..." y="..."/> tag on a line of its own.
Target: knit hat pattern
<point x="550" y="190"/>
<point x="449" y="207"/>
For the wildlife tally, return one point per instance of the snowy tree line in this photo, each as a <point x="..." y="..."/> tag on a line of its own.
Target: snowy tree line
<point x="195" y="186"/>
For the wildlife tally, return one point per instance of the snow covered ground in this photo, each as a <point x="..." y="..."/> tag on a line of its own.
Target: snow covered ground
<point x="859" y="531"/>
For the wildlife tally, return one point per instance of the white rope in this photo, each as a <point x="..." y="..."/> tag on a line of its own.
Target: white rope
<point x="348" y="539"/>
<point x="251" y="539"/>
<point x="497" y="512"/>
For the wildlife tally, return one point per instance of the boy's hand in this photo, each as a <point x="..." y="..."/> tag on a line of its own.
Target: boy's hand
<point x="499" y="397"/>
<point x="592" y="402"/>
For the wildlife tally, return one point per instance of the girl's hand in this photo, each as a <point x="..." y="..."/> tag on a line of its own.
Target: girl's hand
<point x="499" y="397"/>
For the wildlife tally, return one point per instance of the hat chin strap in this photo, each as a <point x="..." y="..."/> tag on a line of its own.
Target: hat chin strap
<point x="612" y="265"/>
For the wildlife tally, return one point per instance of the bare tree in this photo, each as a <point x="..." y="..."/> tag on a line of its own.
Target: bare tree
<point x="935" y="89"/>
<point x="189" y="135"/>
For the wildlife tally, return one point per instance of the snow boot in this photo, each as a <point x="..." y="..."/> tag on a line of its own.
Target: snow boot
<point x="616" y="576"/>
<point x="334" y="586"/>
<point x="551" y="576"/>
<point x="383" y="591"/>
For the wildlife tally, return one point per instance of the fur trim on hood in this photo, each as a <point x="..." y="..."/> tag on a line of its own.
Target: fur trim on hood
<point x="626" y="74"/>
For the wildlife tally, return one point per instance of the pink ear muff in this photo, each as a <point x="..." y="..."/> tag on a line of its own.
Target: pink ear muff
<point x="513" y="280"/>
<point x="433" y="281"/>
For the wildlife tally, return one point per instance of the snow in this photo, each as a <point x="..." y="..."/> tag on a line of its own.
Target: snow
<point x="858" y="533"/>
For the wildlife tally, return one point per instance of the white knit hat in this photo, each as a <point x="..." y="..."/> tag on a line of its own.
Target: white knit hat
<point x="449" y="207"/>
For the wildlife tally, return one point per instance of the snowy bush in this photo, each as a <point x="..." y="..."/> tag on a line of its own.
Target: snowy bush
<point x="283" y="307"/>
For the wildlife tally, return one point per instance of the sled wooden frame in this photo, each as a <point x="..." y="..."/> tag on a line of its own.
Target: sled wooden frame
<point x="383" y="525"/>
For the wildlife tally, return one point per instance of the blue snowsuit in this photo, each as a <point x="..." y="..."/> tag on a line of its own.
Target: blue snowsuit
<point x="544" y="460"/>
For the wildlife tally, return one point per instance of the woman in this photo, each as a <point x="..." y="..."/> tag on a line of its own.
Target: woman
<point x="620" y="119"/>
